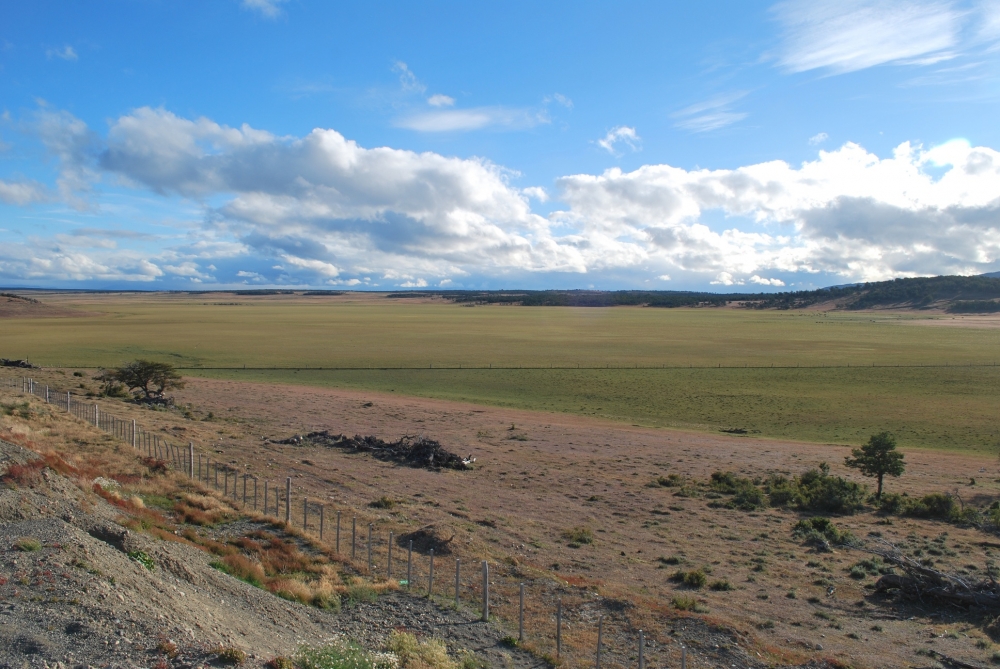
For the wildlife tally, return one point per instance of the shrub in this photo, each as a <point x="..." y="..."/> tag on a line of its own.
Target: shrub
<point x="670" y="481"/>
<point x="721" y="585"/>
<point x="816" y="490"/>
<point x="279" y="663"/>
<point x="241" y="567"/>
<point x="231" y="655"/>
<point x="383" y="503"/>
<point x="687" y="604"/>
<point x="936" y="505"/>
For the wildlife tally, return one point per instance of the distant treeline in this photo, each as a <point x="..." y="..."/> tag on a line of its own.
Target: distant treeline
<point x="965" y="295"/>
<point x="20" y="297"/>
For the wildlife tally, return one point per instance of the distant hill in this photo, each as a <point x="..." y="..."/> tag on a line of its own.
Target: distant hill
<point x="956" y="294"/>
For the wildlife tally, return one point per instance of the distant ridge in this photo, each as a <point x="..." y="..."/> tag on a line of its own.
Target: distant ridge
<point x="960" y="294"/>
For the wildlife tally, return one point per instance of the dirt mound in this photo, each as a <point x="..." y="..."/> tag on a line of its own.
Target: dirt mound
<point x="427" y="538"/>
<point x="412" y="451"/>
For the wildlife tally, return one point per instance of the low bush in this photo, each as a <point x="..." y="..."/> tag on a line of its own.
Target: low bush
<point x="816" y="490"/>
<point x="721" y="585"/>
<point x="695" y="578"/>
<point x="343" y="655"/>
<point x="821" y="532"/>
<point x="578" y="536"/>
<point x="682" y="603"/>
<point x="415" y="654"/>
<point x="28" y="544"/>
<point x="231" y="655"/>
<point x="670" y="481"/>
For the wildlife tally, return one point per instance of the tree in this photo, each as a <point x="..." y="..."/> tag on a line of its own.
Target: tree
<point x="152" y="378"/>
<point x="877" y="458"/>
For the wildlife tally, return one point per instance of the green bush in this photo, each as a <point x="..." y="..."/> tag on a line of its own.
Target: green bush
<point x="578" y="536"/>
<point x="816" y="490"/>
<point x="695" y="578"/>
<point x="670" y="481"/>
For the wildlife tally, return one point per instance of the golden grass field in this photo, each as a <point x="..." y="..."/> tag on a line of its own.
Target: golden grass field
<point x="716" y="363"/>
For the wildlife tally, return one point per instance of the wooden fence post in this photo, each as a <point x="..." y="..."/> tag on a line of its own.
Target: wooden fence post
<point x="520" y="614"/>
<point x="558" y="627"/>
<point x="430" y="579"/>
<point x="288" y="500"/>
<point x="486" y="591"/>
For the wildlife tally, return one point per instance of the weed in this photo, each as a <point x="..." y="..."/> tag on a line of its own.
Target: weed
<point x="342" y="655"/>
<point x="670" y="481"/>
<point x="682" y="603"/>
<point x="279" y="663"/>
<point x="429" y="654"/>
<point x="143" y="558"/>
<point x="509" y="641"/>
<point x="672" y="560"/>
<point x="167" y="647"/>
<point x="360" y="593"/>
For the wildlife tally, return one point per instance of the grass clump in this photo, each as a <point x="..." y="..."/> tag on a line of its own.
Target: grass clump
<point x="682" y="603"/>
<point x="670" y="481"/>
<point x="28" y="544"/>
<point x="415" y="654"/>
<point x="578" y="536"/>
<point x="241" y="567"/>
<point x="279" y="662"/>
<point x="383" y="502"/>
<point x="721" y="585"/>
<point x="695" y="578"/>
<point x="143" y="558"/>
<point x="360" y="593"/>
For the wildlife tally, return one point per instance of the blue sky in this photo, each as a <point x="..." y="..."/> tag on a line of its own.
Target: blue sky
<point x="677" y="146"/>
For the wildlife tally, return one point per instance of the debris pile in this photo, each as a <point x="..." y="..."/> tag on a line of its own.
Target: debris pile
<point x="24" y="364"/>
<point x="412" y="451"/>
<point x="925" y="584"/>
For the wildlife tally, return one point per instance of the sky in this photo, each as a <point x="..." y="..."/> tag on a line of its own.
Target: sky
<point x="725" y="146"/>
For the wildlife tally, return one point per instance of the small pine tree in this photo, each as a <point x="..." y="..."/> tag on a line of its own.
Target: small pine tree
<point x="877" y="458"/>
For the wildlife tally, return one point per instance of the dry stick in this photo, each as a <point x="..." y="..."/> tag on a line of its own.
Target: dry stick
<point x="430" y="579"/>
<point x="486" y="591"/>
<point x="288" y="500"/>
<point x="600" y="636"/>
<point x="558" y="627"/>
<point x="520" y="621"/>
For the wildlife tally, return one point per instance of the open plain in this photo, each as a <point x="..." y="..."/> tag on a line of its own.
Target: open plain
<point x="569" y="491"/>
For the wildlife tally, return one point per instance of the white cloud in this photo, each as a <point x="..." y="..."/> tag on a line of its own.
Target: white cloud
<point x="664" y="277"/>
<point x="22" y="192"/>
<point x="268" y="8"/>
<point x="621" y="134"/>
<point x="848" y="35"/>
<point x="710" y="114"/>
<point x="419" y="283"/>
<point x="478" y="118"/>
<point x="766" y="282"/>
<point x="818" y="138"/>
<point x="321" y="209"/>
<point x="439" y="100"/>
<point x="65" y="53"/>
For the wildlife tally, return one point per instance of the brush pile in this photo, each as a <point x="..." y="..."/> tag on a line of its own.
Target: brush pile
<point x="410" y="451"/>
<point x="23" y="364"/>
<point x="927" y="585"/>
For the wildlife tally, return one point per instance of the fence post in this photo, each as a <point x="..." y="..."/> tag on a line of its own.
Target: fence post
<point x="486" y="591"/>
<point x="199" y="467"/>
<point x="96" y="416"/>
<point x="520" y="615"/>
<point x="684" y="657"/>
<point x="134" y="445"/>
<point x="322" y="513"/>
<point x="191" y="458"/>
<point x="265" y="495"/>
<point x="458" y="564"/>
<point x="354" y="537"/>
<point x="558" y="627"/>
<point x="216" y="475"/>
<point x="245" y="489"/>
<point x="370" y="565"/>
<point x="288" y="500"/>
<point x="430" y="579"/>
<point x="642" y="643"/>
<point x="255" y="494"/>
<point x="338" y="533"/>
<point x="46" y="394"/>
<point x="69" y="404"/>
<point x="305" y="514"/>
<point x="409" y="566"/>
<point x="388" y="570"/>
<point x="600" y="637"/>
<point x="225" y="492"/>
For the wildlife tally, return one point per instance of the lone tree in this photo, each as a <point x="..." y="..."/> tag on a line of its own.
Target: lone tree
<point x="151" y="378"/>
<point x="877" y="458"/>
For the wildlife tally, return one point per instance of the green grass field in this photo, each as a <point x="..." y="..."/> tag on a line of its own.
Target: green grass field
<point x="954" y="407"/>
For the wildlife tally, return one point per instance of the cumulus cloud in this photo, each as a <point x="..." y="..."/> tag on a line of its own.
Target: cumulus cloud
<point x="268" y="8"/>
<point x="818" y="138"/>
<point x="848" y="35"/>
<point x="321" y="209"/>
<point x="621" y="134"/>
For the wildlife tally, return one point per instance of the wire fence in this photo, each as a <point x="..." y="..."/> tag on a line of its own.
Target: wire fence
<point x="493" y="589"/>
